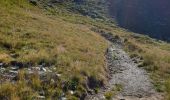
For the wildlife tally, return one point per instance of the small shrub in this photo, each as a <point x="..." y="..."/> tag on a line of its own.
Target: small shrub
<point x="72" y="84"/>
<point x="72" y="98"/>
<point x="125" y="40"/>
<point x="159" y="87"/>
<point x="93" y="82"/>
<point x="149" y="63"/>
<point x="78" y="94"/>
<point x="108" y="95"/>
<point x="6" y="45"/>
<point x="96" y="90"/>
<point x="118" y="87"/>
<point x="167" y="85"/>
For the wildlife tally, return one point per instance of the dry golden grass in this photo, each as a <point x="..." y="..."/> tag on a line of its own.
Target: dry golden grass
<point x="37" y="38"/>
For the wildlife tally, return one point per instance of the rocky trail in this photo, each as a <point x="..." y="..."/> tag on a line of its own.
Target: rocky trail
<point x="134" y="82"/>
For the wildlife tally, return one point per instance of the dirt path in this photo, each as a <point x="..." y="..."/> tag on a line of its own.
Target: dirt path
<point x="134" y="81"/>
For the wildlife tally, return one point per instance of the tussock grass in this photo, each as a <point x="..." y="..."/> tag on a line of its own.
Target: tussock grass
<point x="32" y="37"/>
<point x="109" y="95"/>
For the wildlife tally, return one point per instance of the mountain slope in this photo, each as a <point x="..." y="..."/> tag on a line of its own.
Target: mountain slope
<point x="31" y="37"/>
<point x="54" y="53"/>
<point x="143" y="16"/>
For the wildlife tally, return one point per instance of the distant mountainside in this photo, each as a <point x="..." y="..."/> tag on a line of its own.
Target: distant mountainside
<point x="141" y="16"/>
<point x="97" y="9"/>
<point x="150" y="17"/>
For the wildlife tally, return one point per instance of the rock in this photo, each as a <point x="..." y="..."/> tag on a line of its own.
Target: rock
<point x="1" y="64"/>
<point x="54" y="68"/>
<point x="63" y="94"/>
<point x="30" y="72"/>
<point x="14" y="55"/>
<point x="10" y="77"/>
<point x="103" y="97"/>
<point x="2" y="69"/>
<point x="41" y="97"/>
<point x="49" y="71"/>
<point x="13" y="72"/>
<point x="14" y="68"/>
<point x="44" y="69"/>
<point x="71" y="92"/>
<point x="42" y="93"/>
<point x="58" y="75"/>
<point x="63" y="98"/>
<point x="41" y="73"/>
<point x="29" y="69"/>
<point x="52" y="81"/>
<point x="36" y="68"/>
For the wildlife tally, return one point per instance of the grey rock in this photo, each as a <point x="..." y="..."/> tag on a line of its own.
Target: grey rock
<point x="1" y="64"/>
<point x="40" y="97"/>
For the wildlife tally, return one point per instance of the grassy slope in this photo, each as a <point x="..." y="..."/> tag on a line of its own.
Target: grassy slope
<point x="65" y="40"/>
<point x="37" y="37"/>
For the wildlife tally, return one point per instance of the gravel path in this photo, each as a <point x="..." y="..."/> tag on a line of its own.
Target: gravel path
<point x="124" y="71"/>
<point x="134" y="81"/>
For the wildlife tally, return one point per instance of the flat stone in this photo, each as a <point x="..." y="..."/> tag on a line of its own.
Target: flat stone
<point x="14" y="72"/>
<point x="44" y="69"/>
<point x="40" y="97"/>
